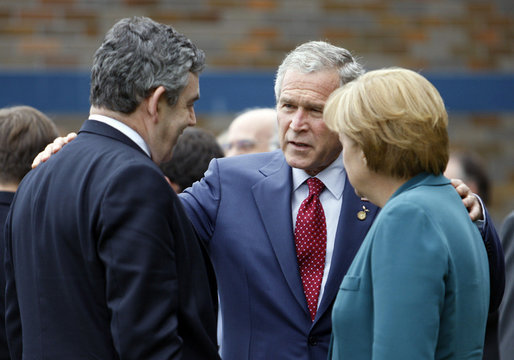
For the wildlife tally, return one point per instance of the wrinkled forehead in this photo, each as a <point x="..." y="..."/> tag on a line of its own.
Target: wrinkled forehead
<point x="314" y="86"/>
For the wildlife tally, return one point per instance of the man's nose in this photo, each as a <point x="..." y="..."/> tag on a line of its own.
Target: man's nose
<point x="298" y="121"/>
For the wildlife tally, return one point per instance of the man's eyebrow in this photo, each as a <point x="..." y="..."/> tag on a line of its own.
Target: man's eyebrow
<point x="285" y="98"/>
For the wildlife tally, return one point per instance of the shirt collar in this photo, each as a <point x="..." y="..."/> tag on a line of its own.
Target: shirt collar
<point x="124" y="129"/>
<point x="333" y="177"/>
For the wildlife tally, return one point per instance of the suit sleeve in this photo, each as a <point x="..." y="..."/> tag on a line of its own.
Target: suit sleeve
<point x="136" y="245"/>
<point x="201" y="201"/>
<point x="407" y="314"/>
<point x="506" y="326"/>
<point x="496" y="261"/>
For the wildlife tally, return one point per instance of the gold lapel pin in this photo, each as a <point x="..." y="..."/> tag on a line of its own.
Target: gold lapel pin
<point x="361" y="215"/>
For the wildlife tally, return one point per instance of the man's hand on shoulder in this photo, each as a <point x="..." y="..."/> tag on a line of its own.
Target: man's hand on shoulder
<point x="53" y="148"/>
<point x="469" y="200"/>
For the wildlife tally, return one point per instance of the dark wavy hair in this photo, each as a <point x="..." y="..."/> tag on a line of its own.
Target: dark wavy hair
<point x="138" y="55"/>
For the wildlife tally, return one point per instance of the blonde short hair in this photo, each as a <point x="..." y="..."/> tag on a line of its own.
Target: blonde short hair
<point x="398" y="119"/>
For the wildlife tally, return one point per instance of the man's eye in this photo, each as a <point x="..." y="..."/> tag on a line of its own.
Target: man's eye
<point x="239" y="145"/>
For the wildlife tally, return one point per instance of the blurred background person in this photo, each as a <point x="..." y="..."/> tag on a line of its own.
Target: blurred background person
<point x="469" y="167"/>
<point x="24" y="132"/>
<point x="195" y="148"/>
<point x="253" y="131"/>
<point x="418" y="287"/>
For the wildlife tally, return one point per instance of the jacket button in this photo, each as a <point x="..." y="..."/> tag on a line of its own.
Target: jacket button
<point x="313" y="341"/>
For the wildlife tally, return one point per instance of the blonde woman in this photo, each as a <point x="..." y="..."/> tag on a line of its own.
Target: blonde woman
<point x="419" y="286"/>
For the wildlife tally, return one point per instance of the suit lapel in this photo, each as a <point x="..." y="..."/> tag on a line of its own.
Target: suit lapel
<point x="273" y="199"/>
<point x="349" y="235"/>
<point x="99" y="128"/>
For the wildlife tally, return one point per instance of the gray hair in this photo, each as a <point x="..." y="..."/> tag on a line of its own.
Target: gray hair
<point x="137" y="56"/>
<point x="317" y="56"/>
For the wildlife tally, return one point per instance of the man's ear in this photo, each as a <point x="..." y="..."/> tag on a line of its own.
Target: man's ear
<point x="364" y="158"/>
<point x="153" y="101"/>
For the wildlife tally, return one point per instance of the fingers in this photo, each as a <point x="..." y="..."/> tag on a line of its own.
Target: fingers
<point x="470" y="202"/>
<point x="469" y="199"/>
<point x="70" y="137"/>
<point x="168" y="180"/>
<point x="475" y="210"/>
<point x="42" y="156"/>
<point x="36" y="161"/>
<point x="56" y="145"/>
<point x="52" y="148"/>
<point x="462" y="189"/>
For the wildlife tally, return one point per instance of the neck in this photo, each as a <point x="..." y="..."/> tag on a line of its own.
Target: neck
<point x="124" y="118"/>
<point x="8" y="187"/>
<point x="383" y="188"/>
<point x="132" y="120"/>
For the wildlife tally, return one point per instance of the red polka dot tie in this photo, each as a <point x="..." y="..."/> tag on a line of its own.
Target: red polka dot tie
<point x="311" y="242"/>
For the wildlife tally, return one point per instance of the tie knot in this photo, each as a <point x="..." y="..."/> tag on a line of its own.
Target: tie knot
<point x="316" y="186"/>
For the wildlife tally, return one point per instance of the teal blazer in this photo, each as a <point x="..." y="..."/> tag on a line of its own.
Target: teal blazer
<point x="419" y="286"/>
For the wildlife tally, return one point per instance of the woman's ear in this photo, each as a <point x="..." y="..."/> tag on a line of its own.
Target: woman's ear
<point x="364" y="158"/>
<point x="153" y="101"/>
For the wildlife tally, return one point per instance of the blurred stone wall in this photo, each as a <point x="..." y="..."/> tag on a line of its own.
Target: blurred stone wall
<point x="450" y="36"/>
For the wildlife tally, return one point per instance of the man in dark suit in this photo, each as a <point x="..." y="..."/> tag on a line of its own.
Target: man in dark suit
<point x="24" y="132"/>
<point x="101" y="261"/>
<point x="247" y="209"/>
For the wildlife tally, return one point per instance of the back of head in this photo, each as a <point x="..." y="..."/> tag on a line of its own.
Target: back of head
<point x="24" y="132"/>
<point x="191" y="156"/>
<point x="317" y="56"/>
<point x="254" y="130"/>
<point x="136" y="56"/>
<point x="397" y="117"/>
<point x="469" y="167"/>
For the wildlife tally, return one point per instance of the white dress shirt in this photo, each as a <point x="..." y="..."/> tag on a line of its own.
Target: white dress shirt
<point x="331" y="199"/>
<point x="124" y="129"/>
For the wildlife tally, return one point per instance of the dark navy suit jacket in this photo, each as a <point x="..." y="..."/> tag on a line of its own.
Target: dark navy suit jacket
<point x="101" y="261"/>
<point x="5" y="203"/>
<point x="242" y="210"/>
